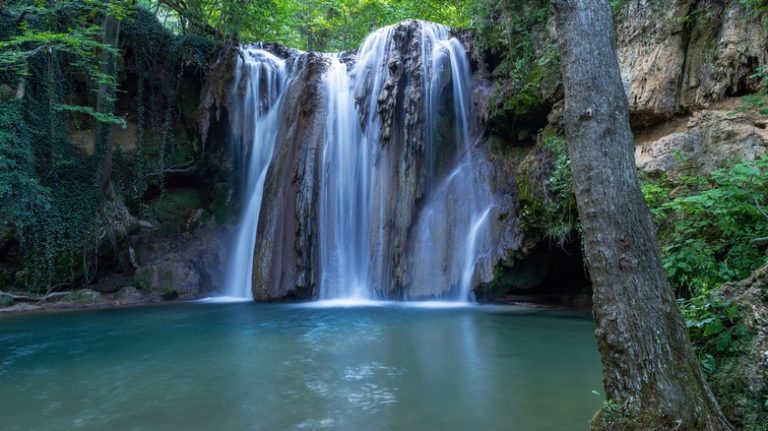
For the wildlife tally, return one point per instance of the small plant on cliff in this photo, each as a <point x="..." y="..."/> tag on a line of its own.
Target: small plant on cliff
<point x="545" y="191"/>
<point x="759" y="100"/>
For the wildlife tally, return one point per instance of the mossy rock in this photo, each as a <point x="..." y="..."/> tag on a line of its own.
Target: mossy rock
<point x="547" y="205"/>
<point x="169" y="278"/>
<point x="85" y="296"/>
<point x="173" y="209"/>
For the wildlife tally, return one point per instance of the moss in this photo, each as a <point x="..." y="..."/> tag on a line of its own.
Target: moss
<point x="173" y="209"/>
<point x="614" y="417"/>
<point x="547" y="205"/>
<point x="523" y="62"/>
<point x="142" y="278"/>
<point x="219" y="209"/>
<point x="610" y="417"/>
<point x="731" y="385"/>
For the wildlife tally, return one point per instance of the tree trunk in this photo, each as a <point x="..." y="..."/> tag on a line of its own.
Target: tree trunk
<point x="651" y="375"/>
<point x="105" y="102"/>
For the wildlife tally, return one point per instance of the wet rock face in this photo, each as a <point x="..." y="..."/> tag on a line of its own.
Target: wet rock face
<point x="286" y="252"/>
<point x="682" y="55"/>
<point x="399" y="182"/>
<point x="189" y="264"/>
<point x="680" y="60"/>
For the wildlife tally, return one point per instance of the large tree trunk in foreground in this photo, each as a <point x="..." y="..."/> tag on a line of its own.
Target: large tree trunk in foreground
<point x="649" y="367"/>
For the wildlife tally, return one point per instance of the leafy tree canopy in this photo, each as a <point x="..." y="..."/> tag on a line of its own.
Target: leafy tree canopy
<point x="320" y="25"/>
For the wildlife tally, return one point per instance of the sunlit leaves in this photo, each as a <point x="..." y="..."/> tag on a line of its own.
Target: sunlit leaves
<point x="320" y="25"/>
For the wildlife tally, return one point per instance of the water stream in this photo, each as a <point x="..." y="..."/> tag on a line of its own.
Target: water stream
<point x="257" y="89"/>
<point x="345" y="193"/>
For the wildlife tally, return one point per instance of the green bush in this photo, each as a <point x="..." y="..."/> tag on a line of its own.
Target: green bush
<point x="714" y="326"/>
<point x="711" y="228"/>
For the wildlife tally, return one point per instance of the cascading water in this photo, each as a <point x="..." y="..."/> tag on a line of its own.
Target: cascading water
<point x="344" y="200"/>
<point x="452" y="233"/>
<point x="257" y="90"/>
<point x="378" y="191"/>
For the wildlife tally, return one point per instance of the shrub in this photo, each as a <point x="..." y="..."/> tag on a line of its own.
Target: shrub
<point x="711" y="228"/>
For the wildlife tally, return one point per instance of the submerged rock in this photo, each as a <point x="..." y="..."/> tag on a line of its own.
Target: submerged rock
<point x="129" y="296"/>
<point x="20" y="308"/>
<point x="85" y="297"/>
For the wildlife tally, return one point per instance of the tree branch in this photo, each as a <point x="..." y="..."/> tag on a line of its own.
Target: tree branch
<point x="759" y="208"/>
<point x="183" y="11"/>
<point x="183" y="168"/>
<point x="28" y="298"/>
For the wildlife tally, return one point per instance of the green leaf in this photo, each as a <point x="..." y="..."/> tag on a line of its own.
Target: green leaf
<point x="98" y="116"/>
<point x="708" y="363"/>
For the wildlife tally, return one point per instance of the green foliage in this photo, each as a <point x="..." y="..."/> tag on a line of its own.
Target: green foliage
<point x="741" y="401"/>
<point x="507" y="29"/>
<point x="52" y="200"/>
<point x="547" y="205"/>
<point x="87" y="110"/>
<point x="63" y="28"/>
<point x="755" y="6"/>
<point x="616" y="5"/>
<point x="157" y="61"/>
<point x="710" y="226"/>
<point x="713" y="324"/>
<point x="712" y="229"/>
<point x="523" y="60"/>
<point x="612" y="416"/>
<point x="28" y="206"/>
<point x="757" y="101"/>
<point x="318" y="25"/>
<point x="529" y="78"/>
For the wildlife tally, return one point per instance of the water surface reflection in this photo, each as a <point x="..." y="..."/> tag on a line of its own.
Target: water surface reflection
<point x="274" y="367"/>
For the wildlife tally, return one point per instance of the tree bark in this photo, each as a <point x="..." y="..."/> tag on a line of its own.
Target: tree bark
<point x="105" y="102"/>
<point x="649" y="366"/>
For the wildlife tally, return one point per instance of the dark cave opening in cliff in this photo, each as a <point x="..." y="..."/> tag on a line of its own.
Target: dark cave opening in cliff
<point x="553" y="273"/>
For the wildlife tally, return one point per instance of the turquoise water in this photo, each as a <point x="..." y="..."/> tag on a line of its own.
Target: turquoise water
<point x="296" y="367"/>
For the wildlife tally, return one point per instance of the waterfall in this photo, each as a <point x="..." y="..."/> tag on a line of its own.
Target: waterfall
<point x="257" y="90"/>
<point x="344" y="200"/>
<point x="452" y="231"/>
<point x="376" y="190"/>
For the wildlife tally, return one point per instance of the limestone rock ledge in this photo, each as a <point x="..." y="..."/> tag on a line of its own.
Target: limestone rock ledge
<point x="705" y="141"/>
